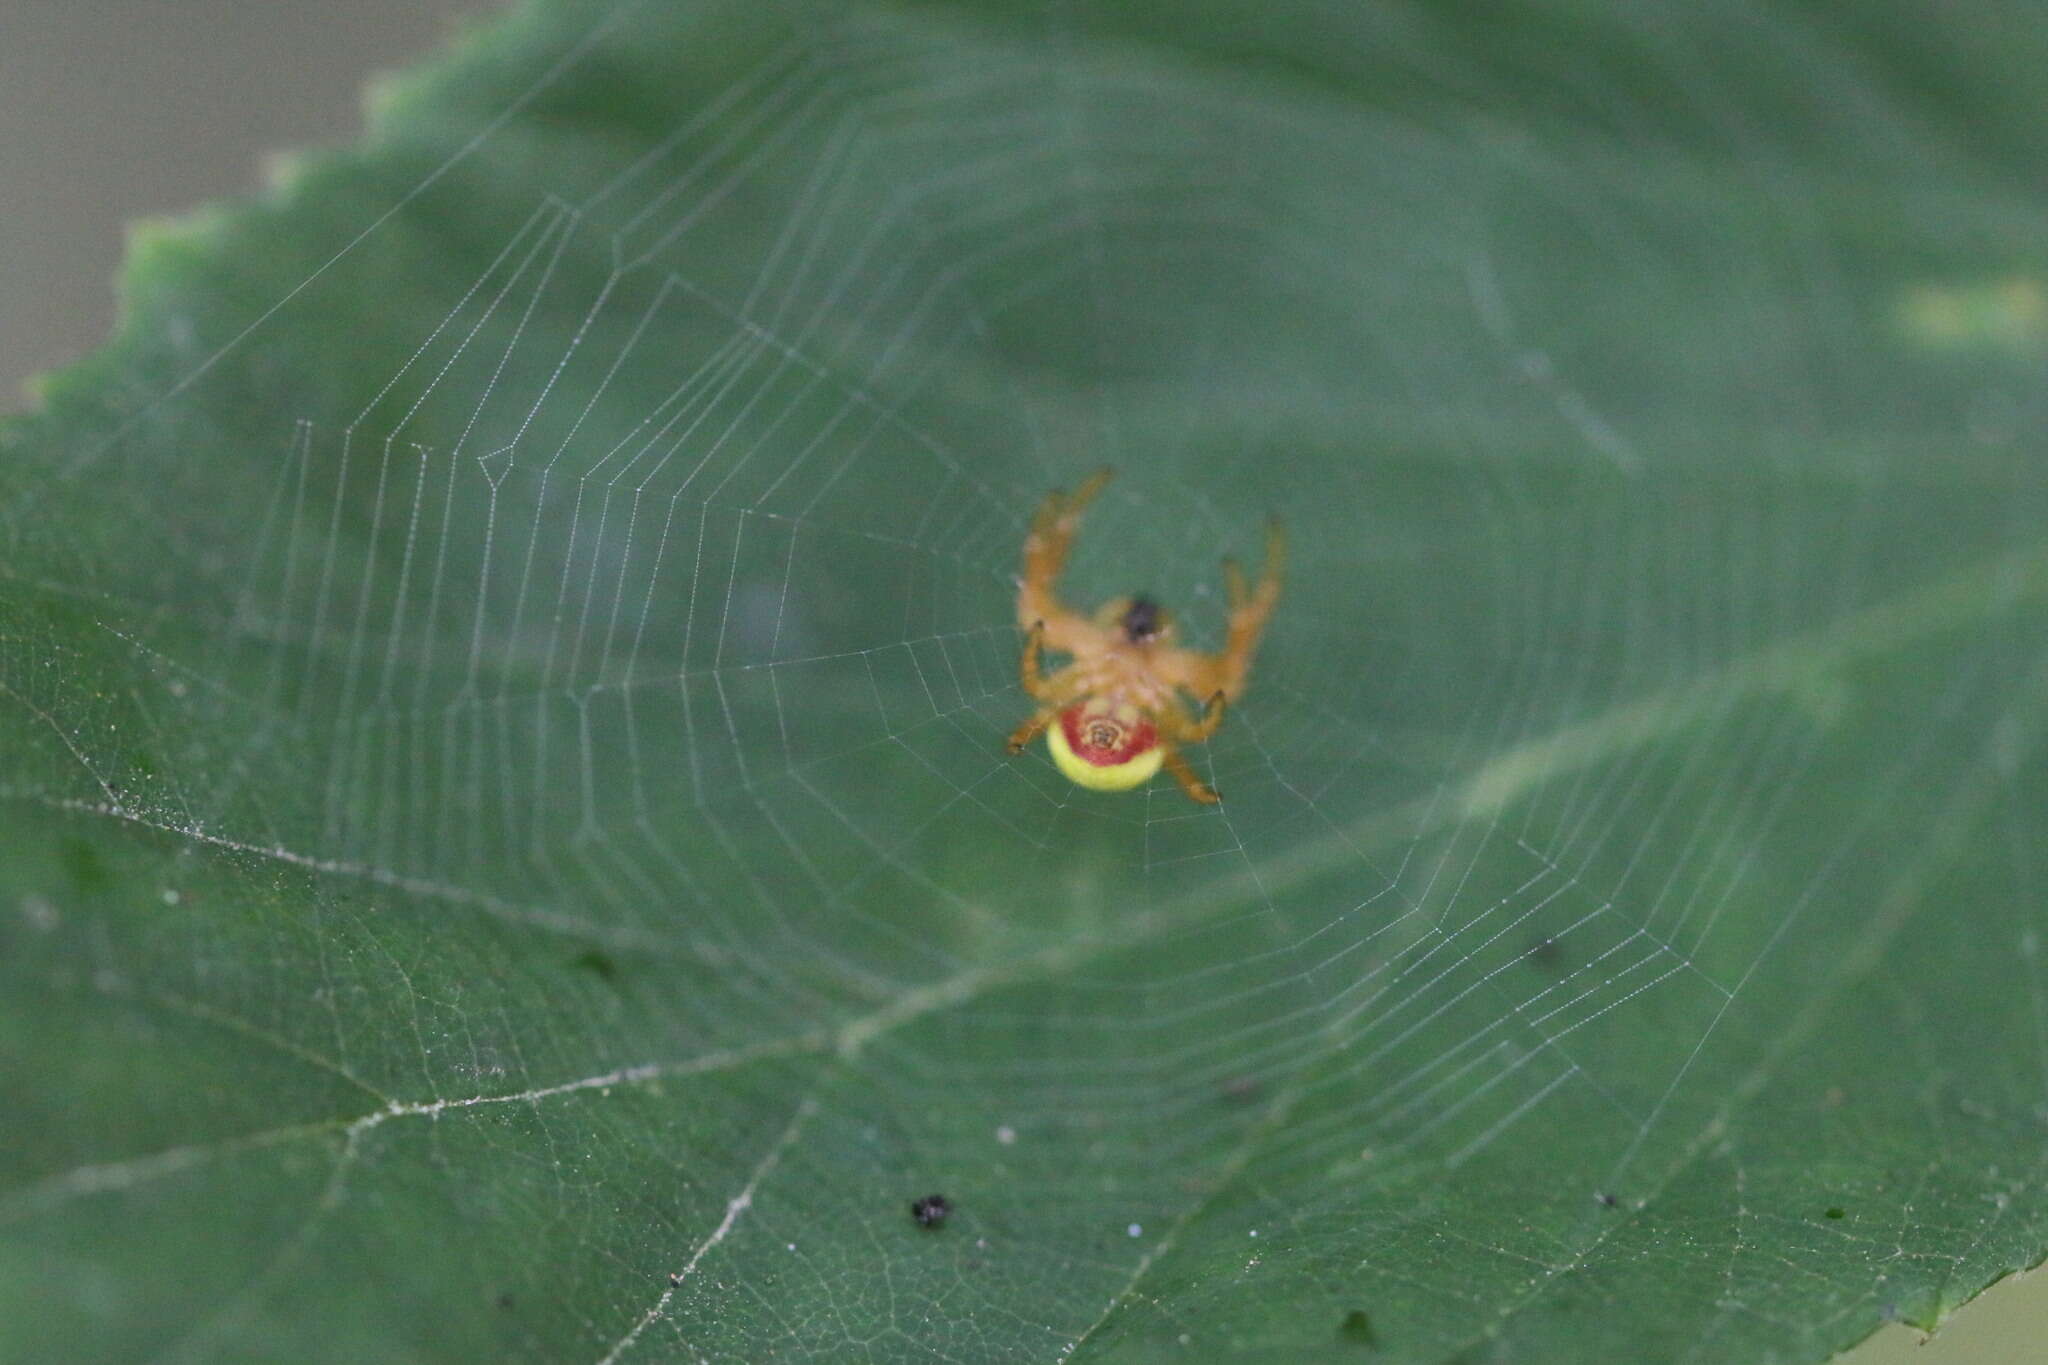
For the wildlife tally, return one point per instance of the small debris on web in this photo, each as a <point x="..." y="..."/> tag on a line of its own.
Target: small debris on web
<point x="1606" y="1200"/>
<point x="931" y="1210"/>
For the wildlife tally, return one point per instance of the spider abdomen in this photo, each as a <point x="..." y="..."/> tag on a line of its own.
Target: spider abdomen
<point x="1109" y="746"/>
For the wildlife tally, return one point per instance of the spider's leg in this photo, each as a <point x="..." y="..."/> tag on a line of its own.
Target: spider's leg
<point x="1051" y="691"/>
<point x="1030" y="729"/>
<point x="1045" y="555"/>
<point x="1212" y="716"/>
<point x="1233" y="584"/>
<point x="1031" y="664"/>
<point x="1196" y="789"/>
<point x="1249" y="610"/>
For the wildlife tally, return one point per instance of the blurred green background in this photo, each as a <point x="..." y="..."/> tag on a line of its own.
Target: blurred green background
<point x="202" y="94"/>
<point x="128" y="109"/>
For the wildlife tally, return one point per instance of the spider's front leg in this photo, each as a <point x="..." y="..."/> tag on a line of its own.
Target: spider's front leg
<point x="1249" y="610"/>
<point x="1045" y="556"/>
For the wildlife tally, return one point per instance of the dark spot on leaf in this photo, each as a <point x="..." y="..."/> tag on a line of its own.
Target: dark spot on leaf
<point x="1356" y="1329"/>
<point x="1545" y="953"/>
<point x="931" y="1210"/>
<point x="598" y="964"/>
<point x="1836" y="1212"/>
<point x="505" y="1299"/>
<point x="1607" y="1201"/>
<point x="82" y="861"/>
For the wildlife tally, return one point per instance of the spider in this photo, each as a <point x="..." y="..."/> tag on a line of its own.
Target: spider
<point x="1119" y="702"/>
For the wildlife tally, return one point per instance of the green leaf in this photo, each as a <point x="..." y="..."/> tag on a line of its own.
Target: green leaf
<point x="508" y="851"/>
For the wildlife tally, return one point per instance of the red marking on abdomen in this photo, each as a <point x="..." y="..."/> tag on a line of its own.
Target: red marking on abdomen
<point x="1086" y="735"/>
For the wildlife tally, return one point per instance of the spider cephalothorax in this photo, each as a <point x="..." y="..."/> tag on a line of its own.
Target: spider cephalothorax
<point x="1125" y="701"/>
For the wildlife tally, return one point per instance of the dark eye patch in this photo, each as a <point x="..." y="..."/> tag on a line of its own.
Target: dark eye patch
<point x="1141" y="620"/>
